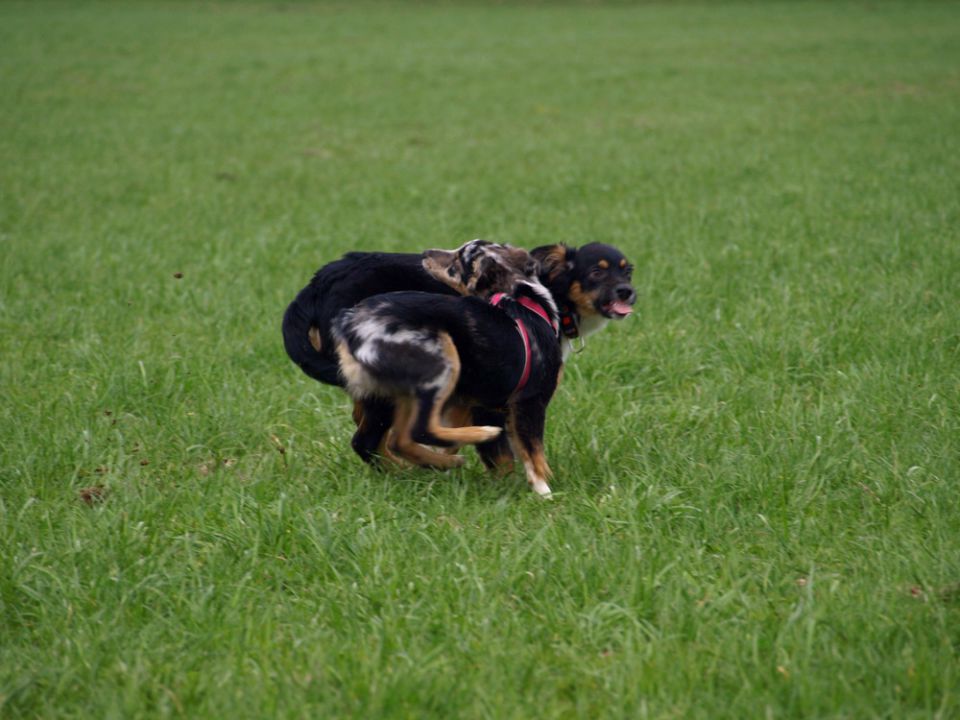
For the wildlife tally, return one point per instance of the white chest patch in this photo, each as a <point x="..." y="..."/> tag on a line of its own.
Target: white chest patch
<point x="588" y="326"/>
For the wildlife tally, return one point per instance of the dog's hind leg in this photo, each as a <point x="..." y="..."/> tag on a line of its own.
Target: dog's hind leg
<point x="372" y="414"/>
<point x="402" y="444"/>
<point x="428" y="427"/>
<point x="455" y="415"/>
<point x="373" y="417"/>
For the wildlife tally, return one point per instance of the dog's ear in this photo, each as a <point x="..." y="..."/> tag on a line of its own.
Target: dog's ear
<point x="554" y="260"/>
<point x="490" y="276"/>
<point x="520" y="261"/>
<point x="445" y="266"/>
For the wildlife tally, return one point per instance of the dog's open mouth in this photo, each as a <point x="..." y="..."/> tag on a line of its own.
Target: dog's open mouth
<point x="616" y="309"/>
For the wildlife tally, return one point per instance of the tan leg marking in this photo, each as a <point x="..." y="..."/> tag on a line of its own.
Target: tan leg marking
<point x="538" y="472"/>
<point x="402" y="444"/>
<point x="358" y="381"/>
<point x="534" y="461"/>
<point x="384" y="451"/>
<point x="357" y="413"/>
<point x="460" y="435"/>
<point x="503" y="464"/>
<point x="455" y="415"/>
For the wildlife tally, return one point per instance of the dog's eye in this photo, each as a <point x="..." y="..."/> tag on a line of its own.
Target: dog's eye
<point x="597" y="274"/>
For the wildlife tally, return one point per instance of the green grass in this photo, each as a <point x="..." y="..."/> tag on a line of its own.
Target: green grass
<point x="756" y="508"/>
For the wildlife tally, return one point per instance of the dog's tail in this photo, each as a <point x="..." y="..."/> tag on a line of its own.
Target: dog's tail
<point x="305" y="344"/>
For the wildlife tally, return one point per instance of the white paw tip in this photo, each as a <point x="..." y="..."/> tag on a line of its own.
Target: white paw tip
<point x="542" y="489"/>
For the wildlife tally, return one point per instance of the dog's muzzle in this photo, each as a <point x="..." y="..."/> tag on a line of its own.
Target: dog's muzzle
<point x="624" y="296"/>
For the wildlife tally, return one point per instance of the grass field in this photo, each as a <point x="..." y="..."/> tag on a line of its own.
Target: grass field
<point x="756" y="506"/>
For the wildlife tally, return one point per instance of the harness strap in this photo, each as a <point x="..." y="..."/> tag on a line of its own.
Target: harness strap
<point x="495" y="300"/>
<point x="525" y="375"/>
<point x="537" y="308"/>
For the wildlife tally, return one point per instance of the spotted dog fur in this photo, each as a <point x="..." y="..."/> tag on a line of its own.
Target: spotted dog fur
<point x="418" y="350"/>
<point x="583" y="288"/>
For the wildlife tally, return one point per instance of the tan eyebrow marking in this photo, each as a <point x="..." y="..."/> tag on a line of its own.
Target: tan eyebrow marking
<point x="623" y="263"/>
<point x="604" y="264"/>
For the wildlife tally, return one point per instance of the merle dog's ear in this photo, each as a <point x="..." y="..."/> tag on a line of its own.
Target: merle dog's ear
<point x="445" y="266"/>
<point x="491" y="276"/>
<point x="554" y="259"/>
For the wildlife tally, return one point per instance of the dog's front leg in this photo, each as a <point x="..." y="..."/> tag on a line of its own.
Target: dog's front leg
<point x="495" y="454"/>
<point x="526" y="425"/>
<point x="373" y="417"/>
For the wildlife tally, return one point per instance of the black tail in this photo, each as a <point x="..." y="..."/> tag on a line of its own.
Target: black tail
<point x="297" y="332"/>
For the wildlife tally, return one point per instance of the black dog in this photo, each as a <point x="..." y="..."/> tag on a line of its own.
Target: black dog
<point x="359" y="275"/>
<point x="417" y="350"/>
<point x="590" y="286"/>
<point x="342" y="284"/>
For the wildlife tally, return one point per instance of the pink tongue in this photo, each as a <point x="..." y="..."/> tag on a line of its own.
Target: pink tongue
<point x="620" y="307"/>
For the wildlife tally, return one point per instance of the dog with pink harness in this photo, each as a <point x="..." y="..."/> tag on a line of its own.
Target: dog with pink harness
<point x="421" y="350"/>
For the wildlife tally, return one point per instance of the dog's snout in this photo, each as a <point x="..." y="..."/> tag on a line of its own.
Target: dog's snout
<point x="626" y="293"/>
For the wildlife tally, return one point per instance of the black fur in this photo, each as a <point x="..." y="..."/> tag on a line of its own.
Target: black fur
<point x="340" y="285"/>
<point x="359" y="275"/>
<point x="382" y="332"/>
<point x="584" y="291"/>
<point x="485" y="336"/>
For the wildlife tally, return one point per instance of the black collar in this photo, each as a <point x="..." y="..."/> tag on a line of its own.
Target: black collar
<point x="569" y="322"/>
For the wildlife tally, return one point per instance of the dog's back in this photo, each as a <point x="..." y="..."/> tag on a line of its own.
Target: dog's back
<point x="416" y="350"/>
<point x="340" y="285"/>
<point x="396" y="335"/>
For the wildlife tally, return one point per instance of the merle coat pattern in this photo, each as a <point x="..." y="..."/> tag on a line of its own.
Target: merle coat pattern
<point x="584" y="291"/>
<point x="418" y="350"/>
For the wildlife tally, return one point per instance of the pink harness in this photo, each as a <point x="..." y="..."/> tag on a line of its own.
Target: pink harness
<point x="524" y="335"/>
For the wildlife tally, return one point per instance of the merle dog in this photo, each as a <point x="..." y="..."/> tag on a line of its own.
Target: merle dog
<point x="590" y="286"/>
<point x="417" y="350"/>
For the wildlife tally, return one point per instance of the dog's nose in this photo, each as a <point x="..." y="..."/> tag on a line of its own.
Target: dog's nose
<point x="626" y="293"/>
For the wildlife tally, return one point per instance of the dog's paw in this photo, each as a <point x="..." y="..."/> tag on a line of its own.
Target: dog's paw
<point x="488" y="432"/>
<point x="541" y="489"/>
